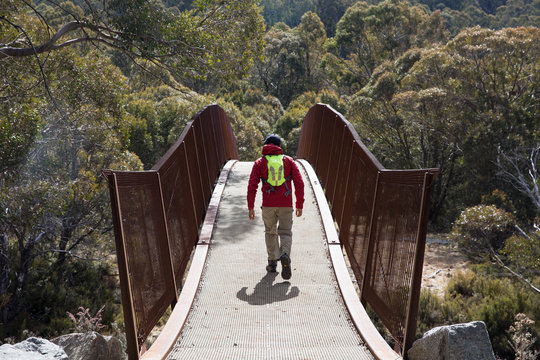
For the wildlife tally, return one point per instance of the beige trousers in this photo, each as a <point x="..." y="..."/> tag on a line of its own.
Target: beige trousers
<point x="277" y="230"/>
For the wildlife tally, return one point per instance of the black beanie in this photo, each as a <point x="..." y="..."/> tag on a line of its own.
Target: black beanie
<point x="272" y="139"/>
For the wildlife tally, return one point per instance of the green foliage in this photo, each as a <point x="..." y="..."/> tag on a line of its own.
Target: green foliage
<point x="451" y="107"/>
<point x="158" y="116"/>
<point x="291" y="61"/>
<point x="212" y="37"/>
<point x="474" y="296"/>
<point x="523" y="252"/>
<point x="499" y="199"/>
<point x="282" y="72"/>
<point x="291" y="12"/>
<point x="367" y="35"/>
<point x="18" y="129"/>
<point x="290" y="123"/>
<point x="311" y="31"/>
<point x="482" y="229"/>
<point x="491" y="14"/>
<point x="56" y="202"/>
<point x="263" y="110"/>
<point x="55" y="291"/>
<point x="20" y="114"/>
<point x="330" y="11"/>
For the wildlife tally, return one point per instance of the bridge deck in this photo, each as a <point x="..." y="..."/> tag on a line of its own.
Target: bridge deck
<point x="243" y="312"/>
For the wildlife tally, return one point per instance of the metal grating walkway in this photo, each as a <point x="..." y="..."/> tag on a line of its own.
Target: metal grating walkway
<point x="243" y="312"/>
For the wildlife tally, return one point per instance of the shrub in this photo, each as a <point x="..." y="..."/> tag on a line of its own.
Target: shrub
<point x="430" y="313"/>
<point x="84" y="321"/>
<point x="479" y="295"/>
<point x="461" y="284"/>
<point x="522" y="339"/>
<point x="524" y="252"/>
<point x="482" y="228"/>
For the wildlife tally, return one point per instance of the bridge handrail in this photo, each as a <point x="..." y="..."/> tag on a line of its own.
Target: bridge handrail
<point x="157" y="215"/>
<point x="372" y="338"/>
<point x="168" y="336"/>
<point x="381" y="215"/>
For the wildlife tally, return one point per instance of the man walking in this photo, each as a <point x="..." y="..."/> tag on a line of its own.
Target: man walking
<point x="277" y="173"/>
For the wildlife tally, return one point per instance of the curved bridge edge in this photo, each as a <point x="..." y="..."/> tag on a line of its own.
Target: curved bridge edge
<point x="372" y="338"/>
<point x="163" y="345"/>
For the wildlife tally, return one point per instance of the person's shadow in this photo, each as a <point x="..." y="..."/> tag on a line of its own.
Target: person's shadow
<point x="266" y="292"/>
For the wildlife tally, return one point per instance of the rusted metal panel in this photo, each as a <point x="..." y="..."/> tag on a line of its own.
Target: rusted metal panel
<point x="201" y="150"/>
<point x="323" y="149"/>
<point x="379" y="348"/>
<point x="121" y="258"/>
<point x="226" y="133"/>
<point x="144" y="237"/>
<point x="167" y="337"/>
<point x="210" y="148"/>
<point x="414" y="297"/>
<point x="381" y="214"/>
<point x="332" y="152"/>
<point x="156" y="216"/>
<point x="339" y="162"/>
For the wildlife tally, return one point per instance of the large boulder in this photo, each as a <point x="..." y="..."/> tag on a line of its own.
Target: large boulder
<point x="90" y="346"/>
<point x="33" y="349"/>
<point x="454" y="342"/>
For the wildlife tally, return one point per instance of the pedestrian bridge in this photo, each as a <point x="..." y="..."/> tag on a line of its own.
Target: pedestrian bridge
<point x="359" y="244"/>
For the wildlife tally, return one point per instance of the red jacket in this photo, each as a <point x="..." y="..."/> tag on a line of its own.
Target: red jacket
<point x="275" y="198"/>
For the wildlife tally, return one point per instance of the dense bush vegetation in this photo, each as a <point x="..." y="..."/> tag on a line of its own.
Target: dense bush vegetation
<point x="447" y="84"/>
<point x="479" y="296"/>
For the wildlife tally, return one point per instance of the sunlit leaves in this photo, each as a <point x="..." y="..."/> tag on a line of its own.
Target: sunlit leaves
<point x="216" y="37"/>
<point x="523" y="251"/>
<point x="367" y="35"/>
<point x="54" y="201"/>
<point x="481" y="228"/>
<point x="18" y="128"/>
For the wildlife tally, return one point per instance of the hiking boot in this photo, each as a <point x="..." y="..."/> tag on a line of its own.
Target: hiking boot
<point x="285" y="266"/>
<point x="272" y="266"/>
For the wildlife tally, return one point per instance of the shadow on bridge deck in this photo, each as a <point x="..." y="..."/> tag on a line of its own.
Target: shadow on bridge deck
<point x="160" y="215"/>
<point x="243" y="312"/>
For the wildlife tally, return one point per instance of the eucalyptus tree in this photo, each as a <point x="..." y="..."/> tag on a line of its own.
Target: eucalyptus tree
<point x="55" y="210"/>
<point x="291" y="59"/>
<point x="367" y="35"/>
<point x="455" y="107"/>
<point x="312" y="32"/>
<point x="220" y="37"/>
<point x="282" y="71"/>
<point x="330" y="11"/>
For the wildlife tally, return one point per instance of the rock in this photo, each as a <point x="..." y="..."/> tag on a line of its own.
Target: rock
<point x="454" y="342"/>
<point x="33" y="349"/>
<point x="90" y="346"/>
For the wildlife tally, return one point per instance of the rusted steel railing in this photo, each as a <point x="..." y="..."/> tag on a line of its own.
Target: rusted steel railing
<point x="157" y="215"/>
<point x="381" y="215"/>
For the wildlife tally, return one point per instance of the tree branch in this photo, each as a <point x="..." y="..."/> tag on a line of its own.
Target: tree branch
<point x="525" y="183"/>
<point x="34" y="53"/>
<point x="519" y="276"/>
<point x="49" y="45"/>
<point x="38" y="14"/>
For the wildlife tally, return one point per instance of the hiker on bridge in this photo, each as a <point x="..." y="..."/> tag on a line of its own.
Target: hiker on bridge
<point x="277" y="173"/>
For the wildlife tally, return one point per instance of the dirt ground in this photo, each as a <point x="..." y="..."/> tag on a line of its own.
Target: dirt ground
<point x="441" y="261"/>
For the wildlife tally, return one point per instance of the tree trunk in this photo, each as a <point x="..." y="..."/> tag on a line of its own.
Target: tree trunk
<point x="4" y="272"/>
<point x="13" y="306"/>
<point x="67" y="232"/>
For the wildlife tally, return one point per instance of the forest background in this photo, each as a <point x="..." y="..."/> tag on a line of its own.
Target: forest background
<point x="447" y="84"/>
